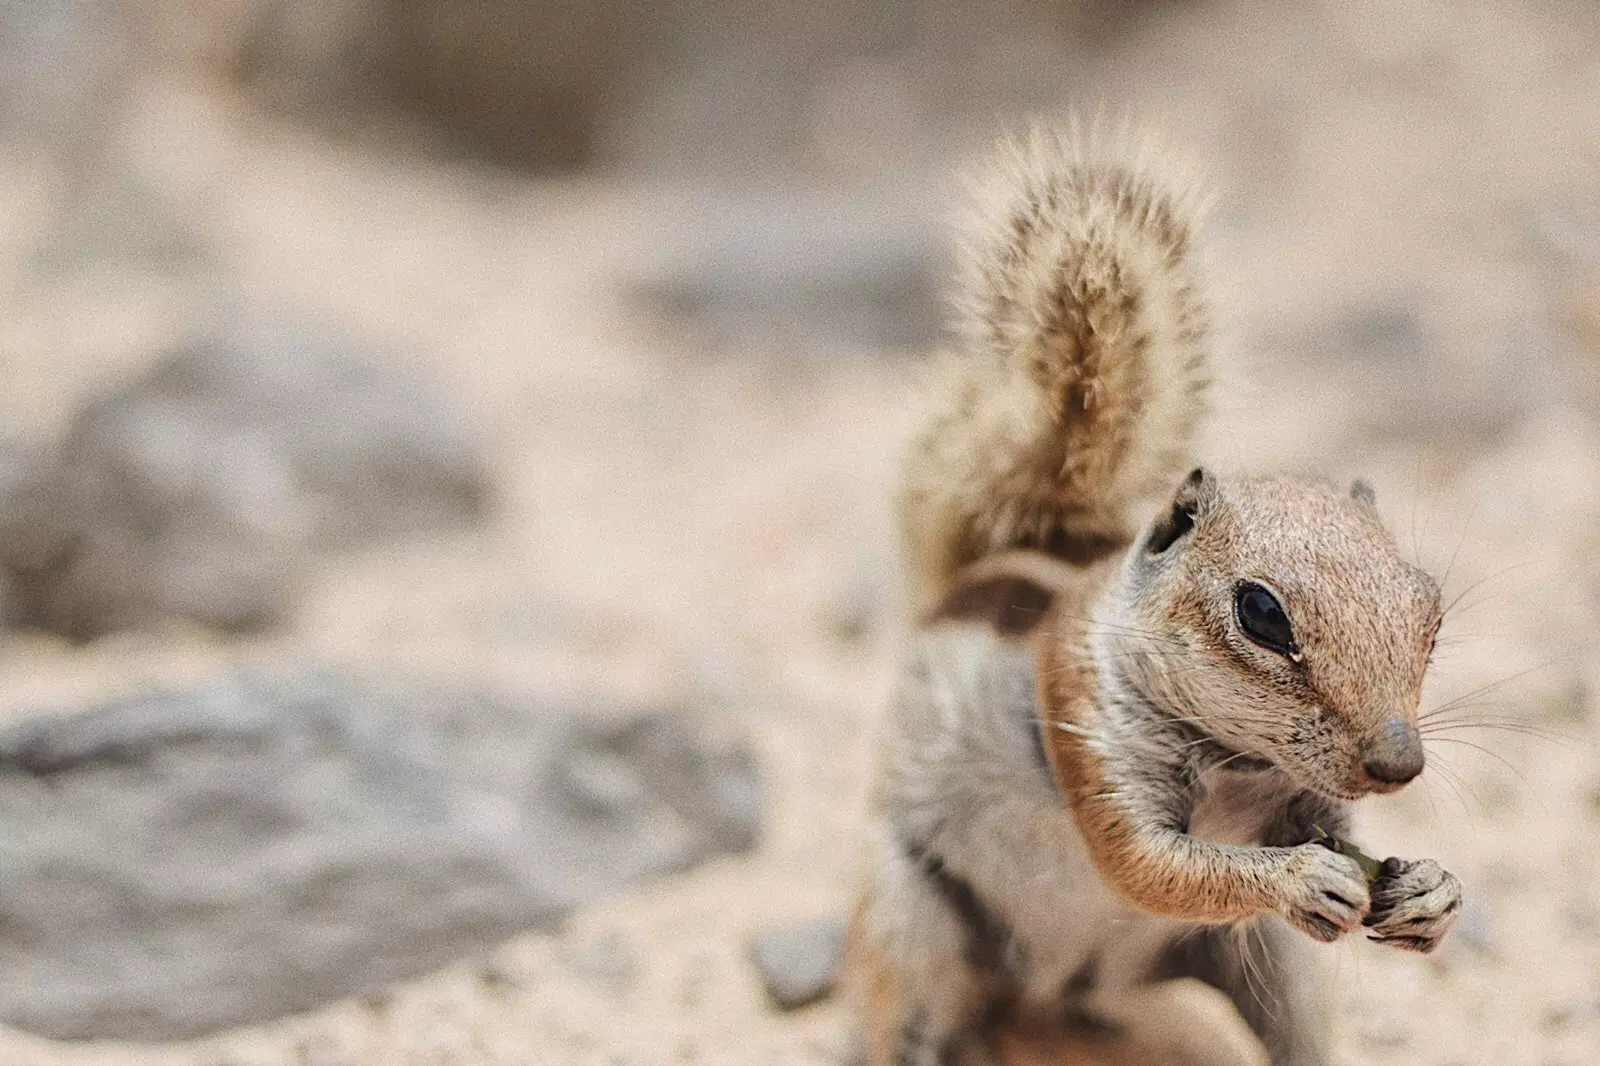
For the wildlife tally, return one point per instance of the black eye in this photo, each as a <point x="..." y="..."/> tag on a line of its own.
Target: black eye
<point x="1264" y="620"/>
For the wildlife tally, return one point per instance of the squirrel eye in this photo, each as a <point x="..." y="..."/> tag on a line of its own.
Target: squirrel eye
<point x="1264" y="620"/>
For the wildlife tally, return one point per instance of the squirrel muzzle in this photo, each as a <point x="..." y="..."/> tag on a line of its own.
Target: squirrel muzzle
<point x="1393" y="756"/>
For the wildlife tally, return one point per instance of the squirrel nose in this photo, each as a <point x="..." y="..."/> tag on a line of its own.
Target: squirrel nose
<point x="1395" y="756"/>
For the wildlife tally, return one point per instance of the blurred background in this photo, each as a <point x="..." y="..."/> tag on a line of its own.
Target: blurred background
<point x="445" y="452"/>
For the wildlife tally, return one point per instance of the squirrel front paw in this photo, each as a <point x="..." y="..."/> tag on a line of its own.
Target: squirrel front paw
<point x="1327" y="895"/>
<point x="1414" y="904"/>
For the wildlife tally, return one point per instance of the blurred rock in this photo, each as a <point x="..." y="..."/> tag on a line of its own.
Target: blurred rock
<point x="1410" y="382"/>
<point x="67" y="70"/>
<point x="178" y="863"/>
<point x="812" y="269"/>
<point x="17" y="459"/>
<point x="195" y="490"/>
<point x="306" y="54"/>
<point x="679" y="87"/>
<point x="856" y="91"/>
<point x="799" y="964"/>
<point x="1391" y="333"/>
<point x="63" y="64"/>
<point x="525" y="84"/>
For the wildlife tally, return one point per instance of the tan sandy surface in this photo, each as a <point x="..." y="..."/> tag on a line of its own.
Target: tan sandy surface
<point x="677" y="522"/>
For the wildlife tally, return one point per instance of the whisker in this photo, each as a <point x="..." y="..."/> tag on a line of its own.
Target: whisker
<point x="1223" y="718"/>
<point x="1151" y="634"/>
<point x="1427" y="792"/>
<point x="1488" y="688"/>
<point x="1493" y="755"/>
<point x="1258" y="982"/>
<point x="1175" y="651"/>
<point x="1452" y="777"/>
<point x="1068" y="727"/>
<point x="1201" y="776"/>
<point x="1454" y="781"/>
<point x="1416" y="498"/>
<point x="1078" y="730"/>
<point x="1174" y="665"/>
<point x="1507" y="711"/>
<point x="1451" y="636"/>
<point x="1518" y="728"/>
<point x="1146" y="653"/>
<point x="1201" y="741"/>
<point x="1452" y="711"/>
<point x="1459" y="542"/>
<point x="1458" y="597"/>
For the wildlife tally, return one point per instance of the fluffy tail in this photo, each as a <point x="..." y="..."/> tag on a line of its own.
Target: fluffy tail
<point x="1085" y="360"/>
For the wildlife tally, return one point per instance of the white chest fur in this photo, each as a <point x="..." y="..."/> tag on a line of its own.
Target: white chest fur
<point x="966" y="783"/>
<point x="1235" y="807"/>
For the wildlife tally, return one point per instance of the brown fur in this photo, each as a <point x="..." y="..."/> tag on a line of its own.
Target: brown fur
<point x="1134" y="837"/>
<point x="1077" y="803"/>
<point x="1011" y="592"/>
<point x="882" y="1007"/>
<point x="1085" y="362"/>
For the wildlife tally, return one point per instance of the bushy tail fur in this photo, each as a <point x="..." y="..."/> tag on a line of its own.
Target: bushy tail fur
<point x="1082" y="374"/>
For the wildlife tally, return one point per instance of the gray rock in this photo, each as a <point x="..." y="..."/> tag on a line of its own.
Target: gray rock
<point x="178" y="863"/>
<point x="68" y="83"/>
<point x="791" y="263"/>
<point x="17" y="459"/>
<point x="528" y="84"/>
<point x="799" y="964"/>
<point x="565" y="83"/>
<point x="1418" y="384"/>
<point x="517" y="82"/>
<point x="196" y="489"/>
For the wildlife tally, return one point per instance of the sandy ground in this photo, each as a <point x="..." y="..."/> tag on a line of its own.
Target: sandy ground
<point x="677" y="522"/>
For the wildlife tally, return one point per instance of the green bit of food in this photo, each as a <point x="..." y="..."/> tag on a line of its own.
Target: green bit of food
<point x="1371" y="867"/>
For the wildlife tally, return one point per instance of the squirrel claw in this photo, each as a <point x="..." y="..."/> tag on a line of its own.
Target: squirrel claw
<point x="1328" y="894"/>
<point x="1414" y="904"/>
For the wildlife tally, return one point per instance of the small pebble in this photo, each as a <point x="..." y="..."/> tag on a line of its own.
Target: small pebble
<point x="799" y="964"/>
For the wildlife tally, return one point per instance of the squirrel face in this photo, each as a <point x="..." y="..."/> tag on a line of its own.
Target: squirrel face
<point x="1280" y="618"/>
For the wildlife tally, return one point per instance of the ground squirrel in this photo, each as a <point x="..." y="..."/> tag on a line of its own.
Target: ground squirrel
<point x="1113" y="742"/>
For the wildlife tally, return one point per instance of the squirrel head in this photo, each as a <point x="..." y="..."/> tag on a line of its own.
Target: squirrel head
<point x="1280" y="618"/>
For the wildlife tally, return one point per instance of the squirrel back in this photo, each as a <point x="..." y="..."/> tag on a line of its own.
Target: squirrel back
<point x="1084" y="361"/>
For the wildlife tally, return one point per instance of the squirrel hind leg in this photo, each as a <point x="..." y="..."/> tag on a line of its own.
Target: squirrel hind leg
<point x="1085" y="358"/>
<point x="918" y="997"/>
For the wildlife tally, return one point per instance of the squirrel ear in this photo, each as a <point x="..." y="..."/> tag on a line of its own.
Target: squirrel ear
<point x="1362" y="492"/>
<point x="1193" y="498"/>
